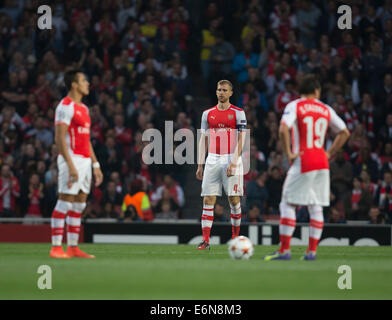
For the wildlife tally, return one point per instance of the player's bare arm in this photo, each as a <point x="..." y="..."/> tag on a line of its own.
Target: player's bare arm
<point x="284" y="136"/>
<point x="203" y="145"/>
<point x="338" y="142"/>
<point x="60" y="134"/>
<point x="98" y="176"/>
<point x="237" y="154"/>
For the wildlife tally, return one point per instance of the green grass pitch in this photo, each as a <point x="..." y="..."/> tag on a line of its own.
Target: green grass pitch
<point x="171" y="272"/>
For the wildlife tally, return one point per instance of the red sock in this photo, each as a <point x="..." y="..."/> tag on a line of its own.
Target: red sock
<point x="206" y="234"/>
<point x="284" y="243"/>
<point x="235" y="231"/>
<point x="313" y="244"/>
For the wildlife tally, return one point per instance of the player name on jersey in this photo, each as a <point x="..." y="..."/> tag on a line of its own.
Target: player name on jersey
<point x="309" y="120"/>
<point x="313" y="108"/>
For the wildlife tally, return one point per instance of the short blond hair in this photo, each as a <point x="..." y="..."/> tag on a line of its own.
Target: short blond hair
<point x="221" y="82"/>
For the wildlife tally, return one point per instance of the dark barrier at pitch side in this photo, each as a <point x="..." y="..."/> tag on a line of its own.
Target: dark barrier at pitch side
<point x="261" y="233"/>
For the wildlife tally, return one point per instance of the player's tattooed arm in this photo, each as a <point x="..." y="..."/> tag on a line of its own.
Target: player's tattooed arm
<point x="98" y="176"/>
<point x="237" y="153"/>
<point x="284" y="136"/>
<point x="338" y="142"/>
<point x="203" y="145"/>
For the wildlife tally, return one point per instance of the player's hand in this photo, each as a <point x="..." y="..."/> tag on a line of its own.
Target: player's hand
<point x="73" y="176"/>
<point x="328" y="154"/>
<point x="230" y="169"/>
<point x="291" y="157"/>
<point x="98" y="176"/>
<point x="199" y="173"/>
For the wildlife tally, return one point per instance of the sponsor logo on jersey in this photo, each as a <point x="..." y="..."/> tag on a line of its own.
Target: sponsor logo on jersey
<point x="230" y="116"/>
<point x="83" y="130"/>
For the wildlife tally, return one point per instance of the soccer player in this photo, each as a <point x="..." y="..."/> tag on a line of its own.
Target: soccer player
<point x="75" y="160"/>
<point x="224" y="125"/>
<point x="307" y="181"/>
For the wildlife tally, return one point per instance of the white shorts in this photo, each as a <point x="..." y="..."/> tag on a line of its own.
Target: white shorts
<point x="215" y="177"/>
<point x="309" y="188"/>
<point x="83" y="166"/>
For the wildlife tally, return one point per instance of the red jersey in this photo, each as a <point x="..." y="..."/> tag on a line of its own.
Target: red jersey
<point x="309" y="120"/>
<point x="77" y="118"/>
<point x="222" y="127"/>
<point x="34" y="207"/>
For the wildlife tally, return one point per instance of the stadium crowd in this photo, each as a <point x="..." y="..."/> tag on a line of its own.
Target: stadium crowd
<point x="144" y="60"/>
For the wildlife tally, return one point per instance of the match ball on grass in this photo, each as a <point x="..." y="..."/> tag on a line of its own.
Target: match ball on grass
<point x="241" y="248"/>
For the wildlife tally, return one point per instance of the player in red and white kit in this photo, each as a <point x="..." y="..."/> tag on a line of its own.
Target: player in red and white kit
<point x="307" y="182"/>
<point x="75" y="160"/>
<point x="224" y="126"/>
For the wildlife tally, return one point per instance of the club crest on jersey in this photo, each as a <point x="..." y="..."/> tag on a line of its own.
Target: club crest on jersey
<point x="230" y="116"/>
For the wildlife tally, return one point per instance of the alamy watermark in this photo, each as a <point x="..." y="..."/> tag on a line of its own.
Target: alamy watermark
<point x="345" y="280"/>
<point x="44" y="281"/>
<point x="161" y="149"/>
<point x="45" y="20"/>
<point x="345" y="21"/>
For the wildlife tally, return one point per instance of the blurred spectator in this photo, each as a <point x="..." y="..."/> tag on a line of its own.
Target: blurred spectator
<point x="341" y="172"/>
<point x="357" y="203"/>
<point x="364" y="161"/>
<point x="40" y="132"/>
<point x="139" y="200"/>
<point x="257" y="192"/>
<point x="368" y="115"/>
<point x="369" y="23"/>
<point x="370" y="186"/>
<point x="14" y="94"/>
<point x="302" y="214"/>
<point x="221" y="58"/>
<point x="286" y="96"/>
<point x="208" y="41"/>
<point x="385" y="195"/>
<point x="274" y="186"/>
<point x="174" y="189"/>
<point x="335" y="216"/>
<point x="374" y="66"/>
<point x="253" y="215"/>
<point x="384" y="95"/>
<point x="307" y="17"/>
<point x="112" y="197"/>
<point x="9" y="192"/>
<point x="179" y="81"/>
<point x="243" y="61"/>
<point x="219" y="213"/>
<point x="179" y="30"/>
<point x="385" y="131"/>
<point x="110" y="155"/>
<point x="251" y="93"/>
<point x="275" y="82"/>
<point x="257" y="161"/>
<point x="36" y="194"/>
<point x="375" y="216"/>
<point x="268" y="57"/>
<point x="166" y="208"/>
